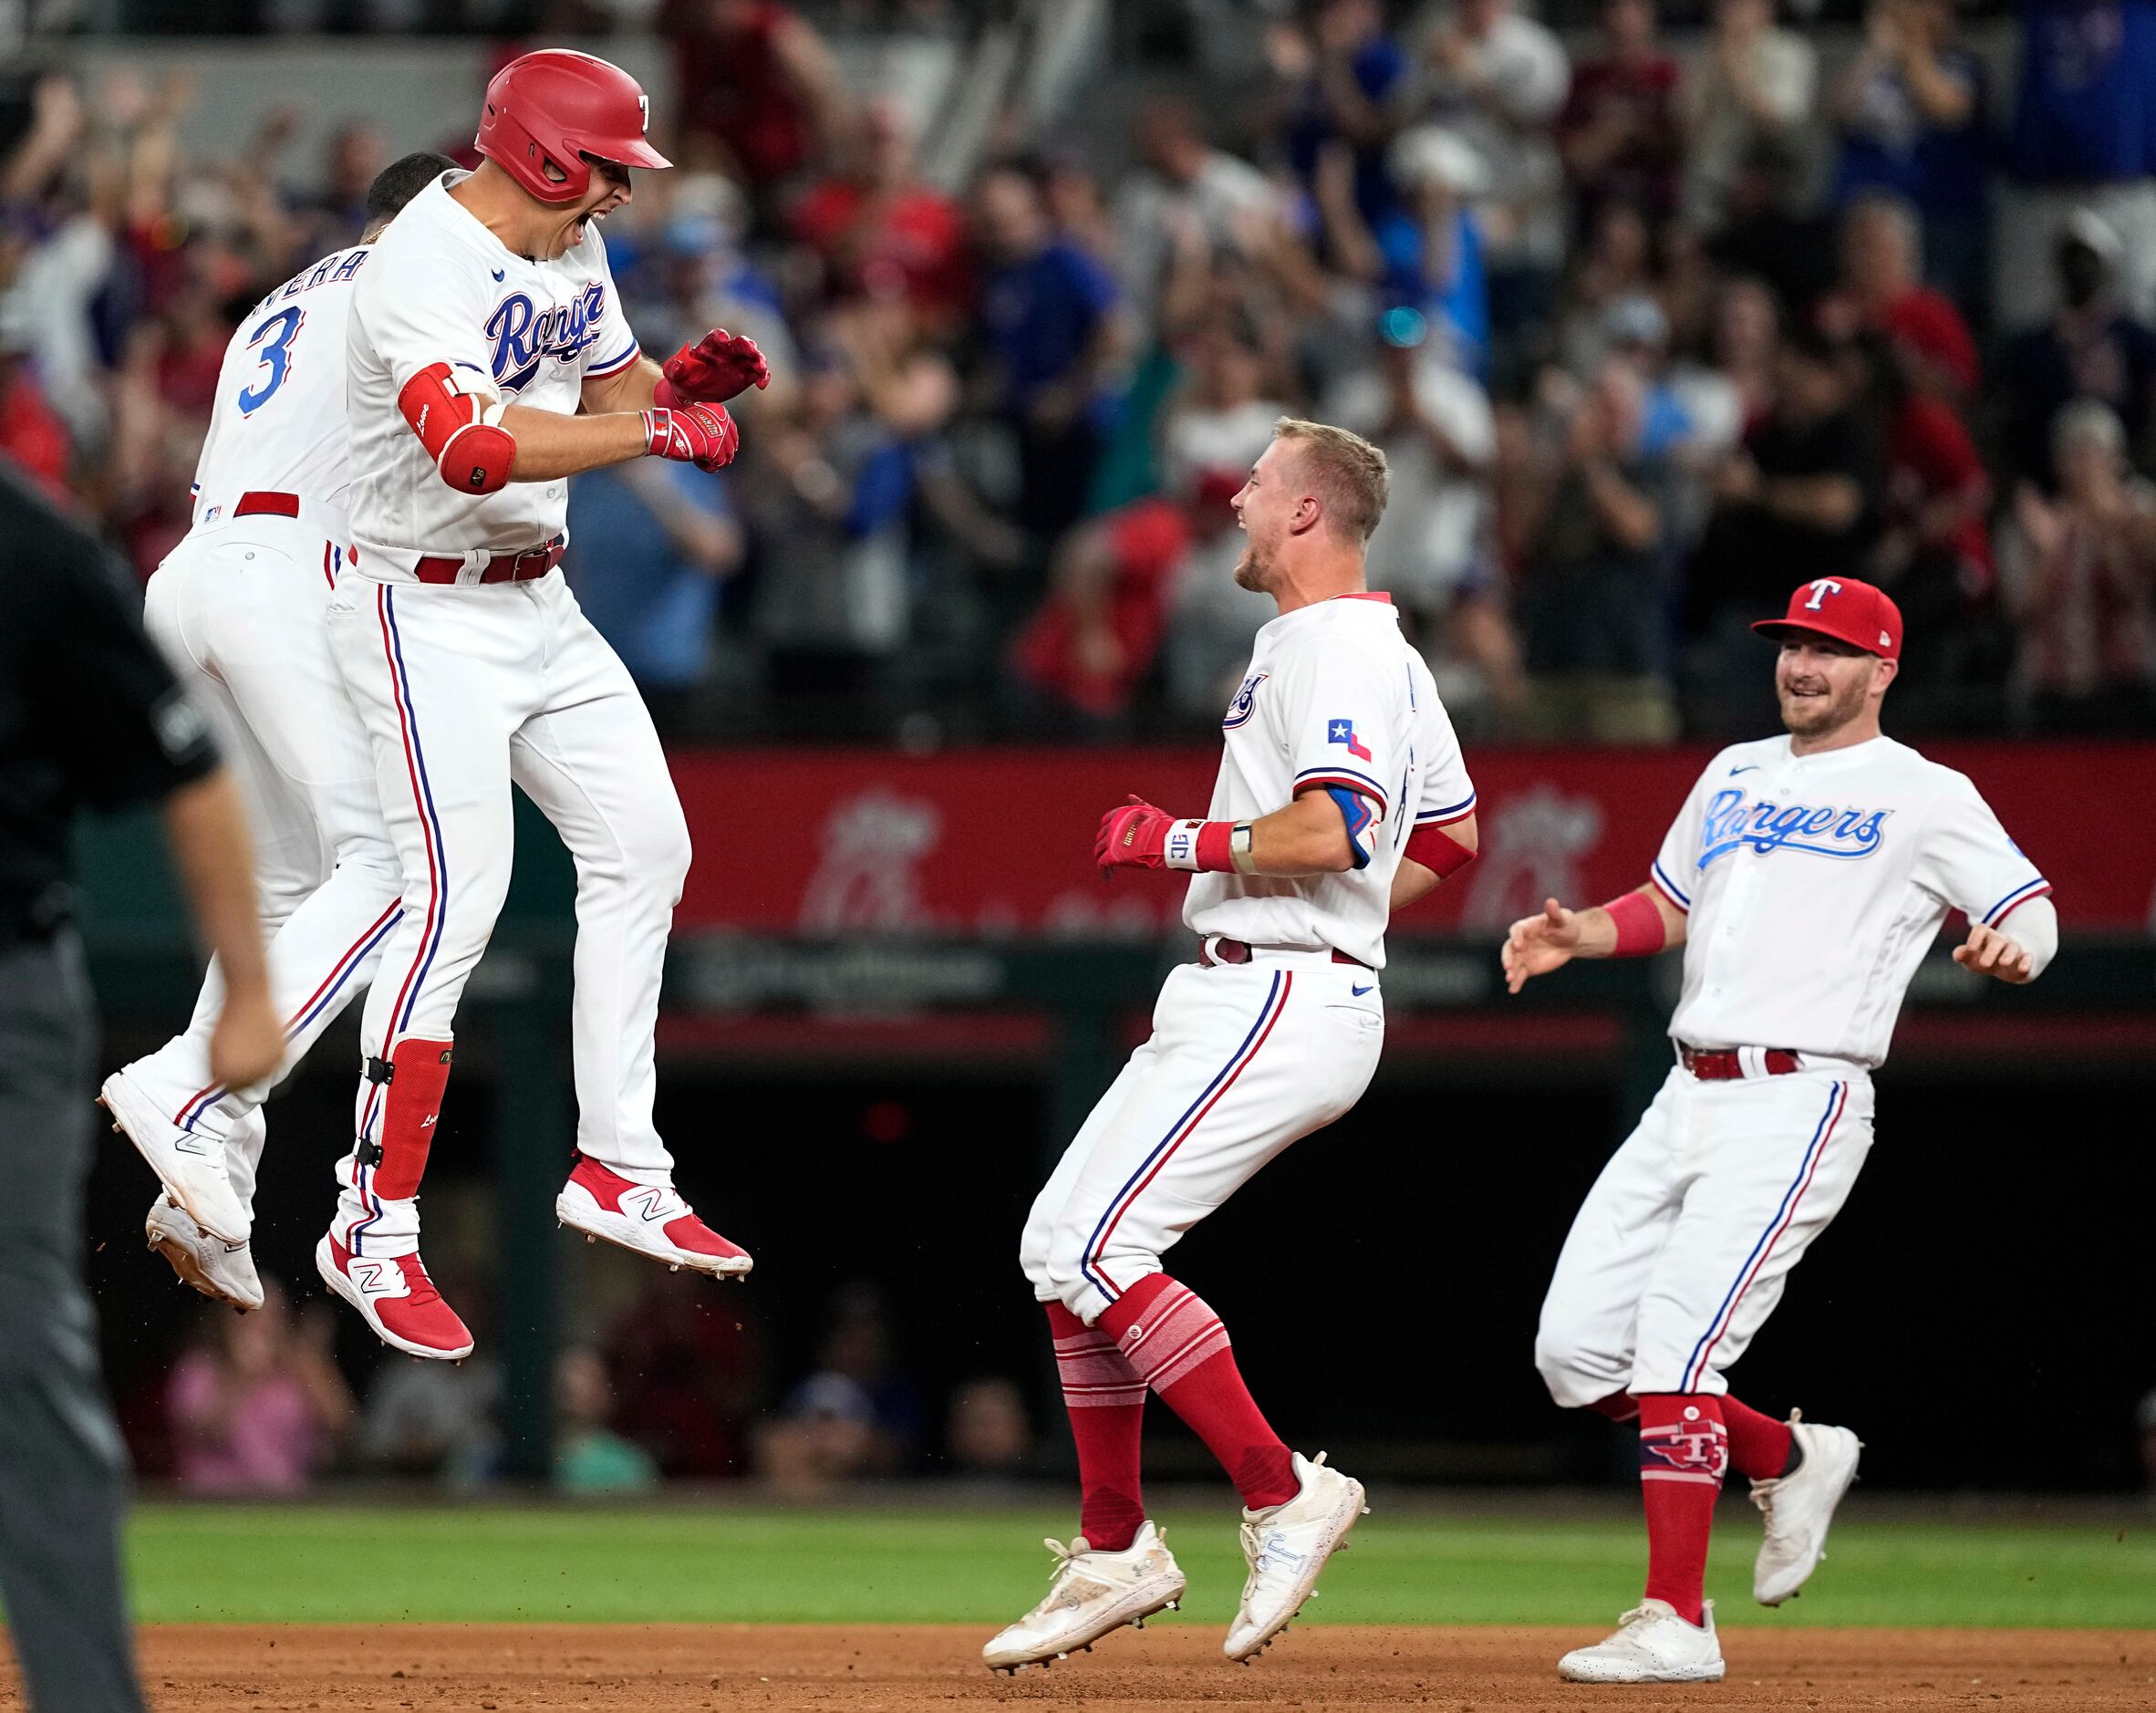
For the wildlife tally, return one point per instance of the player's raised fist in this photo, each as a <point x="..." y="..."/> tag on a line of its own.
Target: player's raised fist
<point x="1133" y="837"/>
<point x="699" y="434"/>
<point x="1538" y="944"/>
<point x="717" y="368"/>
<point x="1989" y="952"/>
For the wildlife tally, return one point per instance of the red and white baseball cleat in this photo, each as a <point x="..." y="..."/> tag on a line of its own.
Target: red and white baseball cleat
<point x="650" y="1218"/>
<point x="395" y="1297"/>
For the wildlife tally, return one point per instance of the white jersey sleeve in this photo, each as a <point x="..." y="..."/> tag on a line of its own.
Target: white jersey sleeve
<point x="1337" y="721"/>
<point x="1443" y="792"/>
<point x="1965" y="860"/>
<point x="407" y="315"/>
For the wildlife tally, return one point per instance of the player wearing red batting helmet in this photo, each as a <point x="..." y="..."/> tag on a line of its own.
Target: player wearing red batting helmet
<point x="488" y="361"/>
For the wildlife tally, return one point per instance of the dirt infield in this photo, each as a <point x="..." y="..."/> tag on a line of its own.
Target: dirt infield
<point x="444" y="1668"/>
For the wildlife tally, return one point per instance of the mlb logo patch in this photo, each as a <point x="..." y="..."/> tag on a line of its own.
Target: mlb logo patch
<point x="1344" y="731"/>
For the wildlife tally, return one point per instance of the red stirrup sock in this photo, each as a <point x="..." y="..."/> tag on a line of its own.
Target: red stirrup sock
<point x="1684" y="1451"/>
<point x="1759" y="1446"/>
<point x="1105" y="1399"/>
<point x="1177" y="1344"/>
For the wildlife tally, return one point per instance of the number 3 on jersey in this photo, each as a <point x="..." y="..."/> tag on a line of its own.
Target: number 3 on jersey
<point x="273" y="340"/>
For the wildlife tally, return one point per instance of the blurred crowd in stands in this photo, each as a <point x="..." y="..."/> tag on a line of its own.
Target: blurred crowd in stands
<point x="672" y="1387"/>
<point x="1652" y="328"/>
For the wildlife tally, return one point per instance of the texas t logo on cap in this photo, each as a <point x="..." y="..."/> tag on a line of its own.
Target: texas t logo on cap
<point x="1845" y="608"/>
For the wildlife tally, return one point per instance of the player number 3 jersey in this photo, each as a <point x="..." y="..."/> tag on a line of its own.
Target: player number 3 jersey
<point x="1335" y="700"/>
<point x="1814" y="885"/>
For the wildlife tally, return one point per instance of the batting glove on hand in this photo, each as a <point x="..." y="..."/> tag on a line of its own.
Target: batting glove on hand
<point x="699" y="434"/>
<point x="1132" y="837"/>
<point x="715" y="368"/>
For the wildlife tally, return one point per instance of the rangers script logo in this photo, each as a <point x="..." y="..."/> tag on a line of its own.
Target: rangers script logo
<point x="1734" y="821"/>
<point x="524" y="337"/>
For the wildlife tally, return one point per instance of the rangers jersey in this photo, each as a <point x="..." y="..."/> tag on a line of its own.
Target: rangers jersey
<point x="1815" y="883"/>
<point x="1335" y="699"/>
<point x="279" y="422"/>
<point x="442" y="288"/>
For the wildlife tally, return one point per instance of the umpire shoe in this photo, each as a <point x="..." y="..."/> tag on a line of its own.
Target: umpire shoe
<point x="1798" y="1507"/>
<point x="188" y="1164"/>
<point x="650" y="1218"/>
<point x="213" y="1266"/>
<point x="1651" y="1645"/>
<point x="394" y="1296"/>
<point x="1286" y="1547"/>
<point x="1089" y="1593"/>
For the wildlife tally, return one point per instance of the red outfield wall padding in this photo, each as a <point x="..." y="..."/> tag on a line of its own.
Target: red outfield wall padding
<point x="999" y="841"/>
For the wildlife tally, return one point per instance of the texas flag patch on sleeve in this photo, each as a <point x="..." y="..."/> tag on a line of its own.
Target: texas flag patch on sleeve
<point x="1344" y="731"/>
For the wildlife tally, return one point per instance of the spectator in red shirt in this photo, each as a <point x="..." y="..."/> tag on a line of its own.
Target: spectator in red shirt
<point x="757" y="80"/>
<point x="1883" y="290"/>
<point x="1620" y="132"/>
<point x="31" y="437"/>
<point x="882" y="232"/>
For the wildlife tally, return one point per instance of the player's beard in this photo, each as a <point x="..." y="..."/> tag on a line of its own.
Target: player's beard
<point x="1251" y="572"/>
<point x="1820" y="716"/>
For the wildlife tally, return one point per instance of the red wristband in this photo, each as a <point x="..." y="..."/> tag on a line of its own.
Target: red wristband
<point x="1213" y="853"/>
<point x="1640" y="929"/>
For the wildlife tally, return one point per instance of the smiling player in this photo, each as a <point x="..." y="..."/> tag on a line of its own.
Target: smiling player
<point x="1804" y="877"/>
<point x="1342" y="797"/>
<point x="489" y="362"/>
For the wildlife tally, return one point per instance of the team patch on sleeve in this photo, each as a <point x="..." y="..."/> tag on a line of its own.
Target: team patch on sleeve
<point x="1344" y="731"/>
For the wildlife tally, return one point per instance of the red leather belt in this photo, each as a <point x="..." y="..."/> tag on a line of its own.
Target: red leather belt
<point x="504" y="567"/>
<point x="1726" y="1066"/>
<point x="1239" y="951"/>
<point x="257" y="502"/>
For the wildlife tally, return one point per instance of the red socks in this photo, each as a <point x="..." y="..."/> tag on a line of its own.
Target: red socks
<point x="1106" y="1400"/>
<point x="1683" y="1452"/>
<point x="1758" y="1445"/>
<point x="1176" y="1344"/>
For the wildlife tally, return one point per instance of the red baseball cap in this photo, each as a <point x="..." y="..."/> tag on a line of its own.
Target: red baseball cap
<point x="1846" y="609"/>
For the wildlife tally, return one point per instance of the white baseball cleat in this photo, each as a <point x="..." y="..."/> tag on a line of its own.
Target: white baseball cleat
<point x="188" y="1164"/>
<point x="1651" y="1645"/>
<point x="213" y="1266"/>
<point x="1798" y="1507"/>
<point x="394" y="1296"/>
<point x="650" y="1218"/>
<point x="1286" y="1547"/>
<point x="1089" y="1593"/>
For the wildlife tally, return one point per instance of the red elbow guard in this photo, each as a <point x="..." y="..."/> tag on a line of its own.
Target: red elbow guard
<point x="469" y="453"/>
<point x="1443" y="855"/>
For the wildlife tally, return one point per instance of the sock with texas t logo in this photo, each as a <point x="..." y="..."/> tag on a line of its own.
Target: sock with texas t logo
<point x="1684" y="1454"/>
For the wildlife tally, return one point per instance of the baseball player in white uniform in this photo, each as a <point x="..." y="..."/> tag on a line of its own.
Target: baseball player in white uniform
<point x="1804" y="877"/>
<point x="1342" y="795"/>
<point x="237" y="608"/>
<point x="484" y="322"/>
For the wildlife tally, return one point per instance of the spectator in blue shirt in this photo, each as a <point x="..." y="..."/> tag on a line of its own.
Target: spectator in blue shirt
<point x="654" y="542"/>
<point x="1049" y="321"/>
<point x="2084" y="135"/>
<point x="1344" y="80"/>
<point x="1911" y="108"/>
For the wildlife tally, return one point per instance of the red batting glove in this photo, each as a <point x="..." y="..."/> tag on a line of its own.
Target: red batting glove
<point x="1132" y="837"/>
<point x="699" y="434"/>
<point x="715" y="368"/>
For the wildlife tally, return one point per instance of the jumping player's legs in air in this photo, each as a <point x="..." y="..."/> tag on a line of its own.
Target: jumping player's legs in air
<point x="1243" y="1061"/>
<point x="238" y="611"/>
<point x="465" y="692"/>
<point x="1677" y="1256"/>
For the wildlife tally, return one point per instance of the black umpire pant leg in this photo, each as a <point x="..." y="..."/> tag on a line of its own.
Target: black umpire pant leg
<point x="63" y="1471"/>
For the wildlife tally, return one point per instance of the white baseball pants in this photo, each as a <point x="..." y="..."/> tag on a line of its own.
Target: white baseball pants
<point x="1244" y="1060"/>
<point x="1682" y="1249"/>
<point x="466" y="690"/>
<point x="237" y="610"/>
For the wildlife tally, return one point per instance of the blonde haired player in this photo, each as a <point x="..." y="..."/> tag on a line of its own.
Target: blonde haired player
<point x="1342" y="795"/>
<point x="1805" y="877"/>
<point x="489" y="361"/>
<point x="237" y="609"/>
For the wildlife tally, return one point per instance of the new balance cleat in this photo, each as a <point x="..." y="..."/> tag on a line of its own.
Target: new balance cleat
<point x="394" y="1296"/>
<point x="189" y="1164"/>
<point x="650" y="1218"/>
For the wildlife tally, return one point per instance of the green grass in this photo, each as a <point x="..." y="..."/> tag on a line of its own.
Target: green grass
<point x="307" y="1564"/>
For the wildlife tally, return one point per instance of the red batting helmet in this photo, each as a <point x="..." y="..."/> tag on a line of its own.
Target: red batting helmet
<point x="548" y="111"/>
